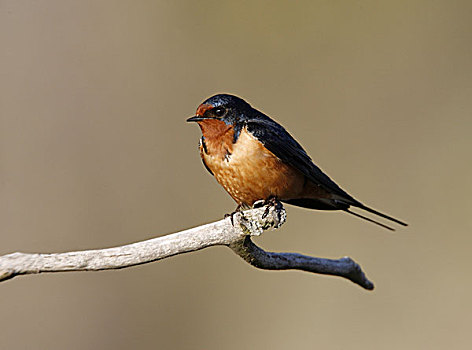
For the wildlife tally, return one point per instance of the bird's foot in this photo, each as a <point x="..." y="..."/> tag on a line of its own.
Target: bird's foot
<point x="269" y="203"/>
<point x="259" y="204"/>
<point x="231" y="215"/>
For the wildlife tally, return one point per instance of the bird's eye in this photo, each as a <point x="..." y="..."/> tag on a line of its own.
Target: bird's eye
<point x="219" y="111"/>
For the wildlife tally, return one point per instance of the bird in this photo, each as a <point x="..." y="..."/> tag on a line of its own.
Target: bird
<point x="255" y="159"/>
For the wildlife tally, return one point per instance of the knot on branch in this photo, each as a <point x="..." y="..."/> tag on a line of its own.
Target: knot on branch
<point x="255" y="221"/>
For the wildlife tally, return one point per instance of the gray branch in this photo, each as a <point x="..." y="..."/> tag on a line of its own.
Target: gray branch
<point x="234" y="233"/>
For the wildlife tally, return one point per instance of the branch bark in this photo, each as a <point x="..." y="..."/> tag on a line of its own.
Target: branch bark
<point x="234" y="233"/>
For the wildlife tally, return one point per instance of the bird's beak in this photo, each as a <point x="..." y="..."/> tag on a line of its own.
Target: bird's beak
<point x="195" y="118"/>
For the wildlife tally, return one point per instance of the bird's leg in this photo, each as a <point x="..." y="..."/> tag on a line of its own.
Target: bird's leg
<point x="259" y="204"/>
<point x="270" y="202"/>
<point x="231" y="215"/>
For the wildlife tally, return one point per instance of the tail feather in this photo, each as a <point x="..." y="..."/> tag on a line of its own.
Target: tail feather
<point x="369" y="219"/>
<point x="385" y="216"/>
<point x="342" y="204"/>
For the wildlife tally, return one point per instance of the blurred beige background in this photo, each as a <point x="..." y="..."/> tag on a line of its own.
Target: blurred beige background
<point x="95" y="152"/>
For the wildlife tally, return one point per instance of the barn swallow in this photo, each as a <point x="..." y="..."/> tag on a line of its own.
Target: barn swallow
<point x="254" y="158"/>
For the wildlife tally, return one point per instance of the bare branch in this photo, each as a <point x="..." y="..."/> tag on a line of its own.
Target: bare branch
<point x="344" y="267"/>
<point x="234" y="234"/>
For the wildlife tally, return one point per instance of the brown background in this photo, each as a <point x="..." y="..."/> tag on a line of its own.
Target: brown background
<point x="95" y="152"/>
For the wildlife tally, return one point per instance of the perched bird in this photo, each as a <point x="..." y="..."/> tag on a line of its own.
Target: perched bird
<point x="254" y="158"/>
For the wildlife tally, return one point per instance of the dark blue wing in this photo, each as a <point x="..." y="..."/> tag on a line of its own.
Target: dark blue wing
<point x="277" y="140"/>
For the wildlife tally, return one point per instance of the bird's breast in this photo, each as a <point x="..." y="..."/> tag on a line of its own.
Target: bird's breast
<point x="248" y="171"/>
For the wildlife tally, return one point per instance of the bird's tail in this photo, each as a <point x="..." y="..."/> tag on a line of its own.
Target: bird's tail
<point x="342" y="204"/>
<point x="369" y="219"/>
<point x="370" y="210"/>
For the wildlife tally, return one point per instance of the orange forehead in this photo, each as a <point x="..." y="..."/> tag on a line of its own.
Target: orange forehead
<point x="203" y="108"/>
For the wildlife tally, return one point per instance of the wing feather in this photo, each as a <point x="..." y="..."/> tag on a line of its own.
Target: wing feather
<point x="286" y="148"/>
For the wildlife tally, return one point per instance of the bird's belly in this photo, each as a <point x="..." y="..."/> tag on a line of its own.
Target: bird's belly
<point x="251" y="172"/>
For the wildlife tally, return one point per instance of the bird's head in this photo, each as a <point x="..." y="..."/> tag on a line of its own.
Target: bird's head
<point x="226" y="108"/>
